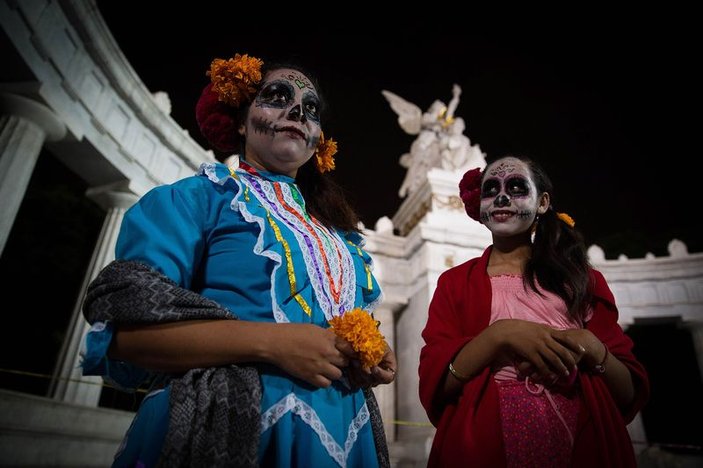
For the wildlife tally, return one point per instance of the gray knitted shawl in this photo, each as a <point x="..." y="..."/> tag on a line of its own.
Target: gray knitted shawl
<point x="215" y="413"/>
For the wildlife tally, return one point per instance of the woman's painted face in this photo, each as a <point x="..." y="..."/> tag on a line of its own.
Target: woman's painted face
<point x="282" y="127"/>
<point x="509" y="198"/>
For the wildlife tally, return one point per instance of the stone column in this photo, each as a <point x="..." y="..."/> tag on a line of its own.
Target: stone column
<point x="68" y="383"/>
<point x="385" y="394"/>
<point x="24" y="126"/>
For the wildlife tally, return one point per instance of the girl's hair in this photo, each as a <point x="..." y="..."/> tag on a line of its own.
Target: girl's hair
<point x="324" y="198"/>
<point x="559" y="260"/>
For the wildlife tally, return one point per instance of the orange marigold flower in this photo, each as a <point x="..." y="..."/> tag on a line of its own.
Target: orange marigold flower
<point x="360" y="329"/>
<point x="326" y="148"/>
<point x="567" y="219"/>
<point x="234" y="80"/>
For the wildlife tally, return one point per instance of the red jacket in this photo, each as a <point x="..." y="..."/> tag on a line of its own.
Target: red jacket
<point x="468" y="428"/>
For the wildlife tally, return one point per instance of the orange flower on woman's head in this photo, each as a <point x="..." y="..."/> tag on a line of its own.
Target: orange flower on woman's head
<point x="360" y="329"/>
<point x="235" y="80"/>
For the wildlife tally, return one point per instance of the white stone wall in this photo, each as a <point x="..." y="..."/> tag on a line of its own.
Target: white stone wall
<point x="655" y="286"/>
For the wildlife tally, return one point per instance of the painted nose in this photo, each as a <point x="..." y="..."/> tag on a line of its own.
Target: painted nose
<point x="502" y="200"/>
<point x="296" y="113"/>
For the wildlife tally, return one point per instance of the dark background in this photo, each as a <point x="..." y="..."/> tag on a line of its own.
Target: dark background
<point x="602" y="103"/>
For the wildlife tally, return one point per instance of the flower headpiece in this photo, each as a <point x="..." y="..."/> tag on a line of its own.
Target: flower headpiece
<point x="470" y="193"/>
<point x="235" y="82"/>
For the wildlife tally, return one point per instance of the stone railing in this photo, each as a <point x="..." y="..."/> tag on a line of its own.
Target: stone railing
<point x="655" y="286"/>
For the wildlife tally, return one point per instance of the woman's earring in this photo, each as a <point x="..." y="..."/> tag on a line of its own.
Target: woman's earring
<point x="534" y="229"/>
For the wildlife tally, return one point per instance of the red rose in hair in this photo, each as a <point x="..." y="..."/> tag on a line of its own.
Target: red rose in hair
<point x="470" y="193"/>
<point x="216" y="121"/>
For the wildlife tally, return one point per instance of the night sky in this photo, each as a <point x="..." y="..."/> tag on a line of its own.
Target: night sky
<point x="600" y="104"/>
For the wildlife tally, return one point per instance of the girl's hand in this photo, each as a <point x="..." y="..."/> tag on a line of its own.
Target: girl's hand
<point x="590" y="349"/>
<point x="535" y="350"/>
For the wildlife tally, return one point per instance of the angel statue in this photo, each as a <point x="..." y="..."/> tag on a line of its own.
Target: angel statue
<point x="440" y="139"/>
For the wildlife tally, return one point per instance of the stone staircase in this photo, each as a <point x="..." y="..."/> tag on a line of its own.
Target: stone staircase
<point x="38" y="431"/>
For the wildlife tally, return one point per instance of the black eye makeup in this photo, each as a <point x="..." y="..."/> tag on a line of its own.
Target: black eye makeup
<point x="490" y="188"/>
<point x="517" y="187"/>
<point x="514" y="187"/>
<point x="277" y="94"/>
<point x="311" y="106"/>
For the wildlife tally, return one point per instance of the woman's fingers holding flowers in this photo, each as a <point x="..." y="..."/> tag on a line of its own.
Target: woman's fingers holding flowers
<point x="308" y="352"/>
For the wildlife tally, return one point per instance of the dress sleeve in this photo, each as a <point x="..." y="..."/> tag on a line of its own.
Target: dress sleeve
<point x="166" y="230"/>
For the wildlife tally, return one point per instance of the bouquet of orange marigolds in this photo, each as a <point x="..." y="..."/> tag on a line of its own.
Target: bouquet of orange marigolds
<point x="360" y="329"/>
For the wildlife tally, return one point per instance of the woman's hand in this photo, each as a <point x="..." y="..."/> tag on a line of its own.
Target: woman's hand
<point x="365" y="377"/>
<point x="386" y="369"/>
<point x="308" y="352"/>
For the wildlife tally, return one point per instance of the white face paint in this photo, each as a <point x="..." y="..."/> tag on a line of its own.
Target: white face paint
<point x="282" y="127"/>
<point x="509" y="198"/>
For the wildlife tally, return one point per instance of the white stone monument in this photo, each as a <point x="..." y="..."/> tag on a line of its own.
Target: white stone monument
<point x="440" y="140"/>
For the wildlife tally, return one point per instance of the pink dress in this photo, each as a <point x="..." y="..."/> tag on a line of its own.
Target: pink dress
<point x="538" y="422"/>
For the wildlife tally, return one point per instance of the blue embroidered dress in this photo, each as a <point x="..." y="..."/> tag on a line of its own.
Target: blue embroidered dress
<point x="244" y="239"/>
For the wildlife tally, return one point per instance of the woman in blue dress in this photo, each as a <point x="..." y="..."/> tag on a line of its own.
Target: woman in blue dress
<point x="222" y="291"/>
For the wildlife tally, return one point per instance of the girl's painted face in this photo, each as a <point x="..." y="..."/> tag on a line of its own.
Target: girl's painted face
<point x="282" y="127"/>
<point x="509" y="198"/>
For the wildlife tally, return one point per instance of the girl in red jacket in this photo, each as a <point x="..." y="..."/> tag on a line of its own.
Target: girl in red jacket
<point x="524" y="363"/>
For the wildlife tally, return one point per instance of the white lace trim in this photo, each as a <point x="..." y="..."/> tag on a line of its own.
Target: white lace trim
<point x="97" y="327"/>
<point x="343" y="274"/>
<point x="311" y="253"/>
<point x="241" y="206"/>
<point x="210" y="171"/>
<point x="291" y="403"/>
<point x="355" y="426"/>
<point x="322" y="288"/>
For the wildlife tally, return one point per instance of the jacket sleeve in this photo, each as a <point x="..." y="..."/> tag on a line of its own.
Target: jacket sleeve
<point x="443" y="338"/>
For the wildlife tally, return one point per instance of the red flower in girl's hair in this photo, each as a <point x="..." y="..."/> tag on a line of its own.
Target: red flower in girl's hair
<point x="470" y="192"/>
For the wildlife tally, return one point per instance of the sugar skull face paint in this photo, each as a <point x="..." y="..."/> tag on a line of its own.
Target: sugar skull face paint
<point x="293" y="96"/>
<point x="509" y="198"/>
<point x="282" y="128"/>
